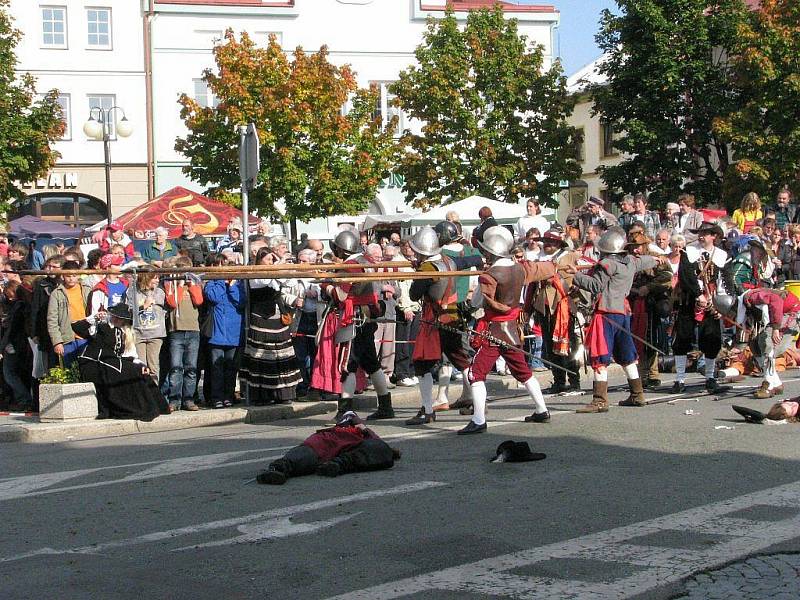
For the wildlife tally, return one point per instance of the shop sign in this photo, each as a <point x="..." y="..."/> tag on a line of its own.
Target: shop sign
<point x="394" y="181"/>
<point x="54" y="181"/>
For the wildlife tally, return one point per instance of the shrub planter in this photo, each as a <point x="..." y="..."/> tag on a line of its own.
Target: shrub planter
<point x="66" y="401"/>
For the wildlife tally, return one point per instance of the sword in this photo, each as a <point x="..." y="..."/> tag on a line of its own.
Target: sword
<point x="636" y="337"/>
<point x="469" y="331"/>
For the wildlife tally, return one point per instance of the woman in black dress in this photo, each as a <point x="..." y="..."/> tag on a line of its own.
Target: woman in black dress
<point x="269" y="366"/>
<point x="124" y="387"/>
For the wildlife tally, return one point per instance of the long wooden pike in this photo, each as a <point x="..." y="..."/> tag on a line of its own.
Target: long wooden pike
<point x="288" y="272"/>
<point x="228" y="268"/>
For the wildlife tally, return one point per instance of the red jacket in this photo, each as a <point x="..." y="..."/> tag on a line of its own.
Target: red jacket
<point x="330" y="443"/>
<point x="776" y="306"/>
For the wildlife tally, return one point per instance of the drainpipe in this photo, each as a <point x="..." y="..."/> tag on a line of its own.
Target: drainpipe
<point x="148" y="87"/>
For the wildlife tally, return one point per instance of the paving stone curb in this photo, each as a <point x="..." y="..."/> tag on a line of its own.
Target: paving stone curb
<point x="82" y="429"/>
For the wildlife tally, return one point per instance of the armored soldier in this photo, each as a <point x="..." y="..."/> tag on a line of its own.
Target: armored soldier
<point x="555" y="313"/>
<point x="498" y="295"/>
<point x="608" y="336"/>
<point x="452" y="244"/>
<point x="770" y="316"/>
<point x="350" y="318"/>
<point x="441" y="324"/>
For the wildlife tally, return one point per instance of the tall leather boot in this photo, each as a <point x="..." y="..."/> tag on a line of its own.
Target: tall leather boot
<point x="636" y="397"/>
<point x="276" y="474"/>
<point x="599" y="399"/>
<point x="385" y="410"/>
<point x="343" y="405"/>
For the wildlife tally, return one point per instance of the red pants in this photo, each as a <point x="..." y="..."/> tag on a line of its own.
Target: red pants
<point x="485" y="357"/>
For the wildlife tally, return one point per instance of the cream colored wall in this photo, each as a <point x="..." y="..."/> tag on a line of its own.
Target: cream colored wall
<point x="592" y="146"/>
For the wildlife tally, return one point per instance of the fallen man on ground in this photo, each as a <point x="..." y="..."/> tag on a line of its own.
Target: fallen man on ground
<point x="347" y="447"/>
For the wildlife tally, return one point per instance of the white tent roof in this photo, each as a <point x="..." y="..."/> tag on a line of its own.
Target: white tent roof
<point x="372" y="220"/>
<point x="467" y="209"/>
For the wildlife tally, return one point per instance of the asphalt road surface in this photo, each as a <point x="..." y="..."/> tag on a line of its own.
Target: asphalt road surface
<point x="636" y="503"/>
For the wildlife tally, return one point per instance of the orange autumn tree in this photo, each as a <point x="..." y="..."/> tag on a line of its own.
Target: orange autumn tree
<point x="764" y="129"/>
<point x="317" y="159"/>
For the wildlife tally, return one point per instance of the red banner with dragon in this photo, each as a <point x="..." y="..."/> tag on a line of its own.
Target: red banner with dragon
<point x="172" y="207"/>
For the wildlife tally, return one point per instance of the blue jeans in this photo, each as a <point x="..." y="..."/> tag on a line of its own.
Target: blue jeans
<point x="534" y="346"/>
<point x="72" y="350"/>
<point x="183" y="348"/>
<point x="12" y="366"/>
<point x="224" y="369"/>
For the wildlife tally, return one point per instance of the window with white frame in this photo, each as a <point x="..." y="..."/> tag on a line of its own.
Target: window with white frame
<point x="384" y="106"/>
<point x="98" y="23"/>
<point x="203" y="94"/>
<point x="54" y="26"/>
<point x="104" y="101"/>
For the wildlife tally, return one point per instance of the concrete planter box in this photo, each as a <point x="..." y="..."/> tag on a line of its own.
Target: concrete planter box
<point x="64" y="402"/>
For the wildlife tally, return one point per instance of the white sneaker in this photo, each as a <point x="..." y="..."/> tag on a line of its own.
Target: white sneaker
<point x="415" y="379"/>
<point x="406" y="382"/>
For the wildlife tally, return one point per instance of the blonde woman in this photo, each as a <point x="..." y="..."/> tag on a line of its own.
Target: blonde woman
<point x="746" y="216"/>
<point x="150" y="322"/>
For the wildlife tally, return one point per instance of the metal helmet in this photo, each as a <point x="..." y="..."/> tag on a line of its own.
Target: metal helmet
<point x="347" y="242"/>
<point x="447" y="232"/>
<point x="425" y="242"/>
<point x="497" y="241"/>
<point x="725" y="304"/>
<point x="612" y="241"/>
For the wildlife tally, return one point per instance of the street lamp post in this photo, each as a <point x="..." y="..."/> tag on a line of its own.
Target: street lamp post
<point x="100" y="129"/>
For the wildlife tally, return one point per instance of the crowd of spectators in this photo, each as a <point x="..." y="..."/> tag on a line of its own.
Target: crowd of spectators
<point x="187" y="335"/>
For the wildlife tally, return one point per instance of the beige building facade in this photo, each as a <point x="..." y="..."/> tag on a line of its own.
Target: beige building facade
<point x="595" y="150"/>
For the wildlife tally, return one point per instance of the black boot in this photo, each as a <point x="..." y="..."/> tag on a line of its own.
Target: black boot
<point x="276" y="474"/>
<point x="385" y="410"/>
<point x="343" y="405"/>
<point x="558" y="387"/>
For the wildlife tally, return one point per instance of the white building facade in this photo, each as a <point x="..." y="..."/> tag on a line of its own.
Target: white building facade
<point x="92" y="52"/>
<point x="376" y="37"/>
<point x="595" y="151"/>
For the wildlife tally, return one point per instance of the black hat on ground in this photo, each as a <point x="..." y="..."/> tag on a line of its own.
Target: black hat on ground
<point x="750" y="415"/>
<point x="511" y="451"/>
<point x="121" y="311"/>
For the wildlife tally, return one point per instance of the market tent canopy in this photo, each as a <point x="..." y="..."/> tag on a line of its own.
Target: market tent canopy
<point x="374" y="220"/>
<point x="503" y="212"/>
<point x="30" y="226"/>
<point x="172" y="207"/>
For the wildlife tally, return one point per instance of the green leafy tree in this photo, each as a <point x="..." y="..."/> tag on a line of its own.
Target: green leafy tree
<point x="764" y="128"/>
<point x="666" y="83"/>
<point x="27" y="126"/>
<point x="493" y="119"/>
<point x="316" y="161"/>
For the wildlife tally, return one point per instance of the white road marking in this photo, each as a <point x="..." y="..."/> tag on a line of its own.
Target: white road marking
<point x="651" y="565"/>
<point x="34" y="485"/>
<point x="269" y="515"/>
<point x="271" y="529"/>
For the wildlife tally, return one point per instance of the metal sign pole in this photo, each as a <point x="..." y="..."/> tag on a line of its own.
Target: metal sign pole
<point x="249" y="165"/>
